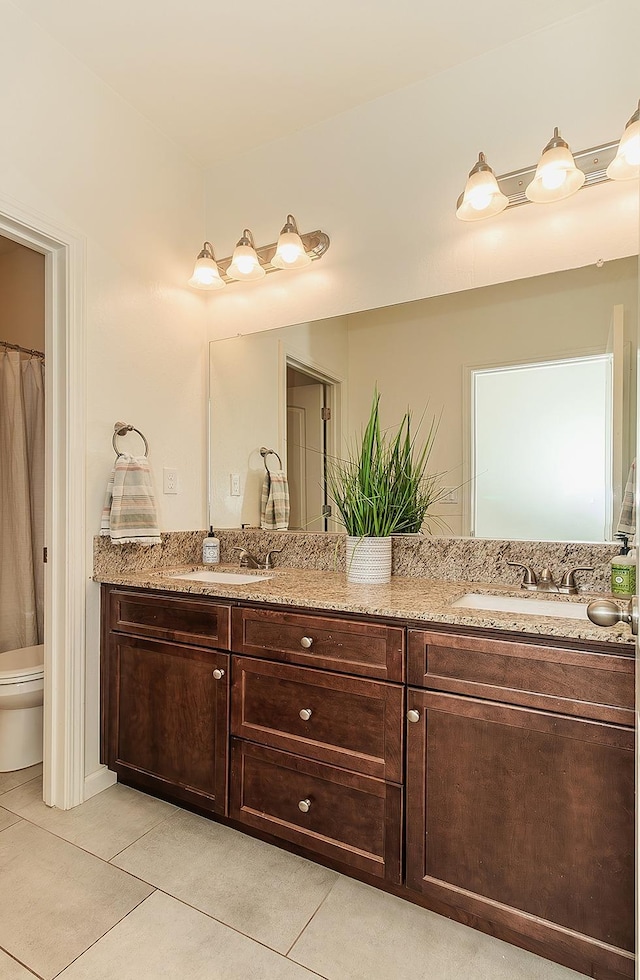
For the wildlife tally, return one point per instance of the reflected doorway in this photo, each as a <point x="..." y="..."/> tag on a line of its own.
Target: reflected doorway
<point x="309" y="418"/>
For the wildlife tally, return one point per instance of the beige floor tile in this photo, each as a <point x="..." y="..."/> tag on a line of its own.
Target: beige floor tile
<point x="360" y="933"/>
<point x="62" y="899"/>
<point x="10" y="970"/>
<point x="7" y="819"/>
<point x="104" y="825"/>
<point x="264" y="892"/>
<point x="164" y="939"/>
<point x="9" y="780"/>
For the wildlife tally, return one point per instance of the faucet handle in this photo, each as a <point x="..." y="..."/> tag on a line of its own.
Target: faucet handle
<point x="268" y="562"/>
<point x="568" y="583"/>
<point x="529" y="580"/>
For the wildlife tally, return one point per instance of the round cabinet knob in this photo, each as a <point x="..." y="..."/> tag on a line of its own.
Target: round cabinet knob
<point x="306" y="642"/>
<point x="305" y="713"/>
<point x="606" y="612"/>
<point x="218" y="674"/>
<point x="413" y="716"/>
<point x="304" y="805"/>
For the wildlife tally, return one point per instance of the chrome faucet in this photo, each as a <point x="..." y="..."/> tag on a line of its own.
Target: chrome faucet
<point x="545" y="583"/>
<point x="247" y="560"/>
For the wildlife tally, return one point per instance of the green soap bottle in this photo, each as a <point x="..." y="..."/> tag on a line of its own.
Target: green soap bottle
<point x="623" y="574"/>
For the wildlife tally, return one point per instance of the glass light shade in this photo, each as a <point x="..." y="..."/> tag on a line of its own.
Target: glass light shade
<point x="245" y="264"/>
<point x="626" y="164"/>
<point x="290" y="253"/>
<point x="206" y="274"/>
<point x="556" y="176"/>
<point x="482" y="196"/>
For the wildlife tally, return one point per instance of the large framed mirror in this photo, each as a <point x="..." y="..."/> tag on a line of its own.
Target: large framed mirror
<point x="534" y="382"/>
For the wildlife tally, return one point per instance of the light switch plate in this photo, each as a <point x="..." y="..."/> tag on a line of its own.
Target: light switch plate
<point x="449" y="495"/>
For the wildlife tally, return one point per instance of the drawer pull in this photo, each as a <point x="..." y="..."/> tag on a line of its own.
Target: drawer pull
<point x="306" y="642"/>
<point x="218" y="673"/>
<point x="304" y="805"/>
<point x="413" y="716"/>
<point x="305" y="713"/>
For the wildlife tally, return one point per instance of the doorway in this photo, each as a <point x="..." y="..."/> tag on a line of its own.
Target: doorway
<point x="64" y="482"/>
<point x="312" y="407"/>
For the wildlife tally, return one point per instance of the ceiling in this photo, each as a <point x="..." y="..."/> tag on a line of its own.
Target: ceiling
<point x="221" y="78"/>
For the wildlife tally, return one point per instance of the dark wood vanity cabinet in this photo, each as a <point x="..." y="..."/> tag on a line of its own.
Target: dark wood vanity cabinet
<point x="521" y="816"/>
<point x="166" y="705"/>
<point x="488" y="778"/>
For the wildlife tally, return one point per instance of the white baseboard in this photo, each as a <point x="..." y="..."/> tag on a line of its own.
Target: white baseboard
<point x="98" y="781"/>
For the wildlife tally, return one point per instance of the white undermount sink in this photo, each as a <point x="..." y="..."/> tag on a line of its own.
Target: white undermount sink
<point x="523" y="606"/>
<point x="220" y="578"/>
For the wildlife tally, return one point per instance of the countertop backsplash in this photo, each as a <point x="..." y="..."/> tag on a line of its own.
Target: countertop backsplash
<point x="420" y="556"/>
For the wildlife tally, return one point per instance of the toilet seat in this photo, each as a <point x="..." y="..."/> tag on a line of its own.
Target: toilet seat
<point x="20" y="666"/>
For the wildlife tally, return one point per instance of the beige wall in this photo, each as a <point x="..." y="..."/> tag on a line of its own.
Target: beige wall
<point x="21" y="295"/>
<point x="382" y="179"/>
<point x="419" y="353"/>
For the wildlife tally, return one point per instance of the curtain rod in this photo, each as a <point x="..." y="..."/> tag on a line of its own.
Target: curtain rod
<point x="23" y="350"/>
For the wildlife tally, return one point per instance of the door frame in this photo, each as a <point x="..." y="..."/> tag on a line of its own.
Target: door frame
<point x="65" y="524"/>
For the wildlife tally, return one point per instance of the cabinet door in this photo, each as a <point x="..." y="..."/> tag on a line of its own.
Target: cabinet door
<point x="168" y="714"/>
<point x="524" y="818"/>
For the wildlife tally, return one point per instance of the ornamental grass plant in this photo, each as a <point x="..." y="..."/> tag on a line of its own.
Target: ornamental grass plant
<point x="382" y="487"/>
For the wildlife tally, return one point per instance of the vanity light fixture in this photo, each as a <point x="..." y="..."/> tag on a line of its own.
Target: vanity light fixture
<point x="293" y="250"/>
<point x="627" y="160"/>
<point x="481" y="197"/>
<point x="290" y="253"/>
<point x="206" y="274"/>
<point x="245" y="264"/>
<point x="557" y="175"/>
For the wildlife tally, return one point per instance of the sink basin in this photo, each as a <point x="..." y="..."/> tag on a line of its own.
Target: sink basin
<point x="523" y="606"/>
<point x="220" y="578"/>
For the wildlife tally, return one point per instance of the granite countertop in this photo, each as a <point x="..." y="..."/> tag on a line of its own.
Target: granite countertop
<point x="404" y="598"/>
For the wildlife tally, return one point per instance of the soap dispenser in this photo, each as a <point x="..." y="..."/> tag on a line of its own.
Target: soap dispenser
<point x="211" y="549"/>
<point x="623" y="569"/>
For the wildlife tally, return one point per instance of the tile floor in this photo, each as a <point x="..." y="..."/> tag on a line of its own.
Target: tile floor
<point x="127" y="887"/>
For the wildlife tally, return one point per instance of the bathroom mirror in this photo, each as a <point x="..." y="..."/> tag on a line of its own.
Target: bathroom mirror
<point x="535" y="382"/>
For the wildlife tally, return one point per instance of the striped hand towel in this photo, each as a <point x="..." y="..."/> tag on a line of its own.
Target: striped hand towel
<point x="274" y="504"/>
<point x="627" y="521"/>
<point x="129" y="515"/>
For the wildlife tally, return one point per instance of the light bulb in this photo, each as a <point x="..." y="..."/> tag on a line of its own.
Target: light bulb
<point x="206" y="274"/>
<point x="556" y="175"/>
<point x="482" y="196"/>
<point x="626" y="164"/>
<point x="290" y="253"/>
<point x="245" y="264"/>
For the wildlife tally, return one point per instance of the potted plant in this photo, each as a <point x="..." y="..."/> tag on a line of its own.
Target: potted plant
<point x="381" y="488"/>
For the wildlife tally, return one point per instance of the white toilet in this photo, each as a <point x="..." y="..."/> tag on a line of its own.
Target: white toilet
<point x="21" y="700"/>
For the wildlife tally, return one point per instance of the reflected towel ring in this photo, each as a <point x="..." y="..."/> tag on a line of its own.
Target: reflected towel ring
<point x="264" y="452"/>
<point x="121" y="429"/>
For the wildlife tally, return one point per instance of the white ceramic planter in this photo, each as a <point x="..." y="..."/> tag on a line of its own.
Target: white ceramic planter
<point x="369" y="560"/>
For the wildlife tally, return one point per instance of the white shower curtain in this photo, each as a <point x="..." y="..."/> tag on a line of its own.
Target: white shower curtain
<point x="21" y="500"/>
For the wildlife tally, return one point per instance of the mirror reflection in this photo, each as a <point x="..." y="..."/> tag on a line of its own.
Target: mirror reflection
<point x="535" y="381"/>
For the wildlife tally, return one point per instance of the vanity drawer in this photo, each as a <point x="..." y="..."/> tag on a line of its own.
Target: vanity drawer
<point x="351" y="818"/>
<point x="593" y="685"/>
<point x="198" y="622"/>
<point x="353" y="723"/>
<point x="346" y="646"/>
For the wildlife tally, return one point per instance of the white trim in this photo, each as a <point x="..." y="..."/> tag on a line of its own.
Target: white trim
<point x="65" y="538"/>
<point x="98" y="781"/>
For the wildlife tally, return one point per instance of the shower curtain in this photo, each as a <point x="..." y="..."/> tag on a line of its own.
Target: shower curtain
<point x="21" y="500"/>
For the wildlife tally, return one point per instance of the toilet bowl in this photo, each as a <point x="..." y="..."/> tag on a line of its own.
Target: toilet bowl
<point x="21" y="700"/>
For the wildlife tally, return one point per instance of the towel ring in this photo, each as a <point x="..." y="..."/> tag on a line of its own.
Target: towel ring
<point x="264" y="452"/>
<point x="121" y="429"/>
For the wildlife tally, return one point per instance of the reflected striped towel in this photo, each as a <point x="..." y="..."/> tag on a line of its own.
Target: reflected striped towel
<point x="627" y="522"/>
<point x="129" y="515"/>
<point x="274" y="503"/>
